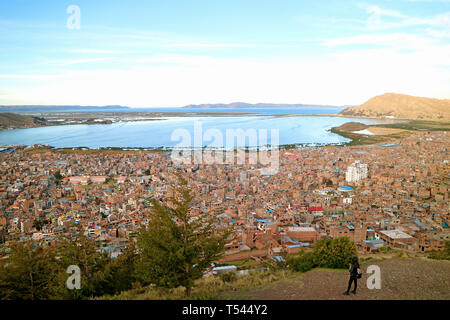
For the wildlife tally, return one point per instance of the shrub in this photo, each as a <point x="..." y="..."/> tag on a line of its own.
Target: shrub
<point x="385" y="249"/>
<point x="301" y="262"/>
<point x="202" y="296"/>
<point x="334" y="253"/>
<point x="441" y="254"/>
<point x="228" y="277"/>
<point x="304" y="266"/>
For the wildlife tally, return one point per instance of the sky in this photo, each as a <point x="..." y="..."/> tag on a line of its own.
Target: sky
<point x="173" y="53"/>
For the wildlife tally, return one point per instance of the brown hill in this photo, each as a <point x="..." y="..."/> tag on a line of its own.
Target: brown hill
<point x="12" y="120"/>
<point x="402" y="106"/>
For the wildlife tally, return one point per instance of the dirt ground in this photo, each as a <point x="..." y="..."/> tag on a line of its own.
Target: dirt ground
<point x="401" y="278"/>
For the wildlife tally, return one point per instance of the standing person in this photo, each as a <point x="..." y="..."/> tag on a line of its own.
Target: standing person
<point x="354" y="270"/>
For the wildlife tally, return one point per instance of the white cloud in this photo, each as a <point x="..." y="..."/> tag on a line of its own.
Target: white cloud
<point x="350" y="77"/>
<point x="208" y="45"/>
<point x="376" y="10"/>
<point x="412" y="63"/>
<point x="98" y="51"/>
<point x="82" y="61"/>
<point x="430" y="1"/>
<point x="393" y="40"/>
<point x="439" y="34"/>
<point x="396" y="19"/>
<point x="29" y="76"/>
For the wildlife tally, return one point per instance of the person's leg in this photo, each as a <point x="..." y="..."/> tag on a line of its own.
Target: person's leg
<point x="349" y="285"/>
<point x="356" y="284"/>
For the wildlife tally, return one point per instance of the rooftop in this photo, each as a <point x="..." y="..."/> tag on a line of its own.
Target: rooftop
<point x="395" y="234"/>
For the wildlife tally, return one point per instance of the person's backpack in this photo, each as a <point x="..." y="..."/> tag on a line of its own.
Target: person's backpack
<point x="359" y="273"/>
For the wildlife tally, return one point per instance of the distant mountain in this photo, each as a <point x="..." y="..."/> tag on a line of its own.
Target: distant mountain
<point x="14" y="121"/>
<point x="64" y="108"/>
<point x="244" y="105"/>
<point x="401" y="106"/>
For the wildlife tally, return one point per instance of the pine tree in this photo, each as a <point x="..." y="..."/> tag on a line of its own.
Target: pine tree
<point x="34" y="272"/>
<point x="94" y="266"/>
<point x="121" y="275"/>
<point x="176" y="248"/>
<point x="28" y="273"/>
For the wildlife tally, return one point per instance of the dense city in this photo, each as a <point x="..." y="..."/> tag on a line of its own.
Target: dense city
<point x="386" y="195"/>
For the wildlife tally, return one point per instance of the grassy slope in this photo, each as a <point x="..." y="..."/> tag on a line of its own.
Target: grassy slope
<point x="402" y="278"/>
<point x="421" y="125"/>
<point x="206" y="288"/>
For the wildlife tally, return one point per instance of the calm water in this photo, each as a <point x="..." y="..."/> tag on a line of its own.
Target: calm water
<point x="273" y="111"/>
<point x="151" y="134"/>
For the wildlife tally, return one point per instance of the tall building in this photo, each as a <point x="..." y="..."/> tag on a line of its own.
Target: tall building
<point x="356" y="171"/>
<point x="243" y="176"/>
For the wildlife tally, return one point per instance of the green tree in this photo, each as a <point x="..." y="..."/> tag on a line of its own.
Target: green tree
<point x="175" y="248"/>
<point x="121" y="276"/>
<point x="95" y="268"/>
<point x="38" y="224"/>
<point x="58" y="176"/>
<point x="33" y="272"/>
<point x="334" y="253"/>
<point x="28" y="273"/>
<point x="110" y="180"/>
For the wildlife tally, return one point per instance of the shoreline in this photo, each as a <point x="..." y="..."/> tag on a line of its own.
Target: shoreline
<point x="100" y="117"/>
<point x="405" y="128"/>
<point x="111" y="117"/>
<point x="87" y="150"/>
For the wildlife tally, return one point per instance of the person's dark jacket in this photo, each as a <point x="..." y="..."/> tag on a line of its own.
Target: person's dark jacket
<point x="354" y="269"/>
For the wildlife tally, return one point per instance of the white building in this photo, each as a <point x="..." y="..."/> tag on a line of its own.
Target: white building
<point x="347" y="200"/>
<point x="356" y="171"/>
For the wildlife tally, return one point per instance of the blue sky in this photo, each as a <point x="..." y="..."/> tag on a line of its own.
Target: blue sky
<point x="173" y="53"/>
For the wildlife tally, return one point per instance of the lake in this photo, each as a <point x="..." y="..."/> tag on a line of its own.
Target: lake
<point x="265" y="111"/>
<point x="158" y="133"/>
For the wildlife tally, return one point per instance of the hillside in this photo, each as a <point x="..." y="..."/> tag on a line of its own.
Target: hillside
<point x="403" y="277"/>
<point x="14" y="121"/>
<point x="401" y="106"/>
